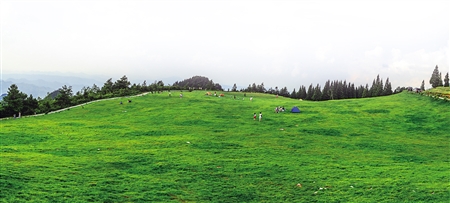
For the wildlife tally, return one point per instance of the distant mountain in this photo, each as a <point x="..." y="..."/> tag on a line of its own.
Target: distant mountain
<point x="1" y="96"/>
<point x="39" y="85"/>
<point x="27" y="88"/>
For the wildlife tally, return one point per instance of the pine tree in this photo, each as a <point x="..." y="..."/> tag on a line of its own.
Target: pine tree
<point x="13" y="101"/>
<point x="422" y="86"/>
<point x="234" y="88"/>
<point x="387" y="88"/>
<point x="64" y="97"/>
<point x="440" y="84"/>
<point x="30" y="105"/>
<point x="294" y="94"/>
<point x="302" y="92"/>
<point x="108" y="86"/>
<point x="366" y="92"/>
<point x="317" y="93"/>
<point x="434" y="80"/>
<point x="326" y="91"/>
<point x="310" y="92"/>
<point x="446" y="81"/>
<point x="373" y="89"/>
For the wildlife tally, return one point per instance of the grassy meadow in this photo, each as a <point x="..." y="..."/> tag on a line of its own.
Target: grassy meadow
<point x="209" y="149"/>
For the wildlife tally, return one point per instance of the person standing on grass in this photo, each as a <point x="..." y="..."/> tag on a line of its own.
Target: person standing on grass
<point x="260" y="116"/>
<point x="254" y="116"/>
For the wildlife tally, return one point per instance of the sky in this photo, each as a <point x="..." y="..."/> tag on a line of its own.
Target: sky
<point x="278" y="43"/>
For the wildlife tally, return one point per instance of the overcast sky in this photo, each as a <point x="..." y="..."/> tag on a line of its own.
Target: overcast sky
<point x="280" y="43"/>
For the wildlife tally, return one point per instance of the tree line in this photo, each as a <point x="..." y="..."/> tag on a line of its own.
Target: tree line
<point x="18" y="103"/>
<point x="331" y="90"/>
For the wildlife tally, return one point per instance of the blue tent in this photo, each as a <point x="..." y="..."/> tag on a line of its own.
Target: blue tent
<point x="295" y="110"/>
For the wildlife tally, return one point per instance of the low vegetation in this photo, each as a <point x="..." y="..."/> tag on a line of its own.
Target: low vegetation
<point x="438" y="92"/>
<point x="161" y="148"/>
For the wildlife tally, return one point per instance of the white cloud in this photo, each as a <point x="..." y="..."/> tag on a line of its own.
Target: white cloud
<point x="230" y="41"/>
<point x="376" y="52"/>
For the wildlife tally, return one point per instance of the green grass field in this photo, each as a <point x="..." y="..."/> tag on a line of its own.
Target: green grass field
<point x="209" y="149"/>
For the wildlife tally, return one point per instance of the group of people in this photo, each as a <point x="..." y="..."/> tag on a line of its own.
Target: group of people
<point x="279" y="109"/>
<point x="129" y="101"/>
<point x="260" y="116"/>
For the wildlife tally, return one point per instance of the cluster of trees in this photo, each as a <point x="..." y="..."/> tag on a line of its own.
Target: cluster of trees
<point x="436" y="79"/>
<point x="331" y="90"/>
<point x="198" y="82"/>
<point x="18" y="102"/>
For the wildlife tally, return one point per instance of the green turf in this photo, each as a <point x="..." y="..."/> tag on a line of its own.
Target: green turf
<point x="209" y="149"/>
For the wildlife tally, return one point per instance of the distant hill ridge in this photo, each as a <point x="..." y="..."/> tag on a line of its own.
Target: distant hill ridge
<point x="199" y="82"/>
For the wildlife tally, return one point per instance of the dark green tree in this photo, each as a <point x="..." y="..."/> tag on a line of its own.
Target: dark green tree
<point x="294" y="94"/>
<point x="108" y="87"/>
<point x="387" y="88"/>
<point x="366" y="92"/>
<point x="234" y="88"/>
<point x="253" y="89"/>
<point x="310" y="92"/>
<point x="422" y="86"/>
<point x="326" y="91"/>
<point x="31" y="105"/>
<point x="284" y="92"/>
<point x="13" y="102"/>
<point x="446" y="81"/>
<point x="434" y="80"/>
<point x="440" y="80"/>
<point x="317" y="95"/>
<point x="64" y="98"/>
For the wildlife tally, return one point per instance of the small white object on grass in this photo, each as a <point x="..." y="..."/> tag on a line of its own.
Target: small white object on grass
<point x="188" y="142"/>
<point x="351" y="186"/>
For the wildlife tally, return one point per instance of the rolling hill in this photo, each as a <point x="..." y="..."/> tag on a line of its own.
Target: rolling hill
<point x="198" y="148"/>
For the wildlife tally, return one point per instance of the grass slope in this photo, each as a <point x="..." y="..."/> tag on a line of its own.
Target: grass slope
<point x="443" y="92"/>
<point x="209" y="149"/>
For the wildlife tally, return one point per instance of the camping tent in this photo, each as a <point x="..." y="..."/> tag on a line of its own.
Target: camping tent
<point x="295" y="110"/>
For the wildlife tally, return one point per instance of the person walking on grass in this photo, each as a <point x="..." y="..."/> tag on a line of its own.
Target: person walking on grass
<point x="260" y="116"/>
<point x="254" y="116"/>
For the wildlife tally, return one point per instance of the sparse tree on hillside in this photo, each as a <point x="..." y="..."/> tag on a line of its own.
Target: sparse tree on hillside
<point x="422" y="86"/>
<point x="446" y="81"/>
<point x="434" y="80"/>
